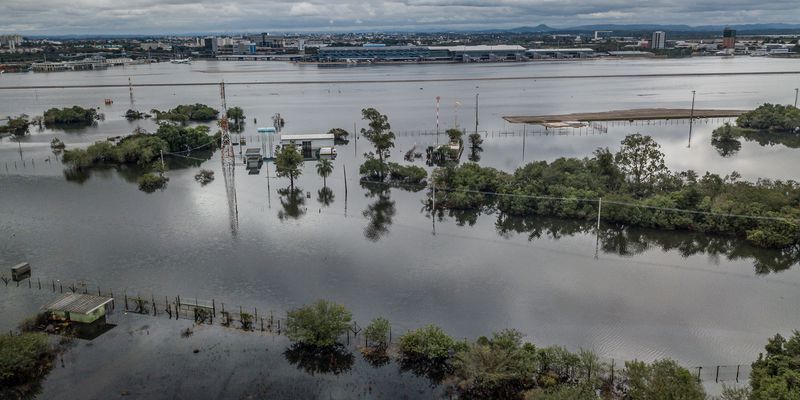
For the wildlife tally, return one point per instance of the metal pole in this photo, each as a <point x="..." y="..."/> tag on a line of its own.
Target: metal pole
<point x="476" y="110"/>
<point x="795" y="96"/>
<point x="437" y="119"/>
<point x="691" y="120"/>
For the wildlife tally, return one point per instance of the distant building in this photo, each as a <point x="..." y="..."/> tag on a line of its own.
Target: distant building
<point x="602" y="34"/>
<point x="245" y="47"/>
<point x="210" y="45"/>
<point x="155" y="46"/>
<point x="729" y="38"/>
<point x="268" y="41"/>
<point x="659" y="40"/>
<point x="10" y="40"/>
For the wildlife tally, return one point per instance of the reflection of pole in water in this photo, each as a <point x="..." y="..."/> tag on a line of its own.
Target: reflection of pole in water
<point x="691" y="120"/>
<point x="130" y="90"/>
<point x="269" y="190"/>
<point x="597" y="231"/>
<point x="228" y="174"/>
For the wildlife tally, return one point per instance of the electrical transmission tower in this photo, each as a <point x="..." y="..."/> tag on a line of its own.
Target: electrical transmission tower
<point x="228" y="163"/>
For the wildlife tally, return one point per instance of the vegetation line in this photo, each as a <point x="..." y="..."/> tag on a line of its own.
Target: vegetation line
<point x="415" y="80"/>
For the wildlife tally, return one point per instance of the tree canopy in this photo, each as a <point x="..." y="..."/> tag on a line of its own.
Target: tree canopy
<point x="187" y="112"/>
<point x="636" y="190"/>
<point x="773" y="117"/>
<point x="382" y="138"/>
<point x="75" y="115"/>
<point x="776" y="374"/>
<point x="319" y="324"/>
<point x="288" y="163"/>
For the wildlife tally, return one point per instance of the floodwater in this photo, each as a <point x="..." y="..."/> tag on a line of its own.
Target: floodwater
<point x="625" y="294"/>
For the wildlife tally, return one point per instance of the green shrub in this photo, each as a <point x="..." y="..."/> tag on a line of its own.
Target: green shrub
<point x="377" y="331"/>
<point x="151" y="182"/>
<point x="409" y="174"/>
<point x="429" y="342"/>
<point x="319" y="324"/>
<point x="23" y="357"/>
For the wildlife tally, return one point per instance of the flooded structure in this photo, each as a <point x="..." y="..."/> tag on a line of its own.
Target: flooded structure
<point x="77" y="307"/>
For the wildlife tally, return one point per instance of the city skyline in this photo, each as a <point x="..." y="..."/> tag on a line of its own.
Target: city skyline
<point x="149" y="17"/>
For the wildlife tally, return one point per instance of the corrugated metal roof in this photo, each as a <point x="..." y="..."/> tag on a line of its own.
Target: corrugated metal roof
<point x="77" y="303"/>
<point x="312" y="136"/>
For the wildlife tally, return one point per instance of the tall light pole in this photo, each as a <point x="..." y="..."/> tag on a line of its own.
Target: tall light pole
<point x="691" y="121"/>
<point x="437" y="119"/>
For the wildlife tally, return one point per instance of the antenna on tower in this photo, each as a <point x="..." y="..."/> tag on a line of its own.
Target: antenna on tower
<point x="226" y="145"/>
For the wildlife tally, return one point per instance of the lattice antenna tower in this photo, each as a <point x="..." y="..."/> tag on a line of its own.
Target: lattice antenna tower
<point x="226" y="146"/>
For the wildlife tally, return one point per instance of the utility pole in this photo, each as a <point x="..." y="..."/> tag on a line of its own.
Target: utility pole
<point x="795" y="96"/>
<point x="455" y="107"/>
<point x="691" y="120"/>
<point x="476" y="112"/>
<point x="437" y="119"/>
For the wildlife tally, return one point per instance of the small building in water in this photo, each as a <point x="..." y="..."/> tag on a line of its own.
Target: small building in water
<point x="78" y="307"/>
<point x="308" y="144"/>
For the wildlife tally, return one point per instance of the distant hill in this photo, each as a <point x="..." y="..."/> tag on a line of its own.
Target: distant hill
<point x="681" y="28"/>
<point x="532" y="29"/>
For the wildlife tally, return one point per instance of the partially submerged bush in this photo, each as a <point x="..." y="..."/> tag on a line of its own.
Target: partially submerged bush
<point x="319" y="324"/>
<point x="204" y="176"/>
<point x="150" y="182"/>
<point x="23" y="358"/>
<point x="377" y="332"/>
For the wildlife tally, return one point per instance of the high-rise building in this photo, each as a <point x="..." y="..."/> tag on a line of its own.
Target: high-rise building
<point x="729" y="38"/>
<point x="659" y="40"/>
<point x="210" y="44"/>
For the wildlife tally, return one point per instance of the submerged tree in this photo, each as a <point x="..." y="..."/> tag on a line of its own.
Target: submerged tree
<point x="288" y="162"/>
<point x="324" y="169"/>
<point x="382" y="139"/>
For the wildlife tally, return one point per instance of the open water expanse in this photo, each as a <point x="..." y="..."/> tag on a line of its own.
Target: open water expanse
<point x="637" y="294"/>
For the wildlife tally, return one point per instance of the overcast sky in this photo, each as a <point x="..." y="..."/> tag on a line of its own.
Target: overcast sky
<point x="175" y="16"/>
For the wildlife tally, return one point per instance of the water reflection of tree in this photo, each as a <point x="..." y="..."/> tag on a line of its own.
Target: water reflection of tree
<point x="380" y="212"/>
<point x="727" y="148"/>
<point x="319" y="360"/>
<point x="434" y="370"/>
<point x="630" y="241"/>
<point x="292" y="203"/>
<point x="325" y="196"/>
<point x="131" y="172"/>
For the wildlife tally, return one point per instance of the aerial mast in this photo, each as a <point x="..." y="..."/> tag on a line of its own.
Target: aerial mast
<point x="228" y="158"/>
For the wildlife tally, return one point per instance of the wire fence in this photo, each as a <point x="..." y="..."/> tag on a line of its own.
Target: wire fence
<point x="250" y="319"/>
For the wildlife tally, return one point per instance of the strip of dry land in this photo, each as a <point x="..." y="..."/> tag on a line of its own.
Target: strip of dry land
<point x="625" y="115"/>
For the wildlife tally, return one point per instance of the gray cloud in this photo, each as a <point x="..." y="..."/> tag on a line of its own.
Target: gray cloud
<point x="166" y="16"/>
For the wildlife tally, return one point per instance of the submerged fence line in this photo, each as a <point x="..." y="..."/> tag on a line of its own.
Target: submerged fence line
<point x="204" y="312"/>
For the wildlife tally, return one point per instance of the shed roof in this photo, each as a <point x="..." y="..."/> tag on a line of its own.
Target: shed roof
<point x="78" y="303"/>
<point x="312" y="136"/>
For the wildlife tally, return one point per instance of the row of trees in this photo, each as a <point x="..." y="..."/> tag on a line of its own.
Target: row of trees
<point x="502" y="366"/>
<point x="637" y="189"/>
